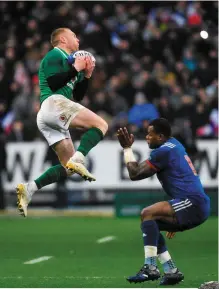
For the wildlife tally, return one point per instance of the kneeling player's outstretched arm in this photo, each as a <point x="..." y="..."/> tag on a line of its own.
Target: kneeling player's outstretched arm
<point x="136" y="171"/>
<point x="140" y="171"/>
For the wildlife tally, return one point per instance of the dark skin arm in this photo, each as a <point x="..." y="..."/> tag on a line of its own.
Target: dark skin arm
<point x="140" y="171"/>
<point x="136" y="171"/>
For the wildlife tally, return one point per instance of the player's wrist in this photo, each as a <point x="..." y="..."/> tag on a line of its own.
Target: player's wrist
<point x="128" y="155"/>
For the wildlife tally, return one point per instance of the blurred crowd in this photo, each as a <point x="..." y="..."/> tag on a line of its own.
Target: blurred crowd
<point x="150" y="61"/>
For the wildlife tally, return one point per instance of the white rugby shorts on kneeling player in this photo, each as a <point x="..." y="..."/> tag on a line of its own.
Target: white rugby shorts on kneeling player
<point x="54" y="117"/>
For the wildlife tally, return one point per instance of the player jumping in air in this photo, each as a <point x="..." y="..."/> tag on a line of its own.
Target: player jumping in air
<point x="62" y="86"/>
<point x="189" y="207"/>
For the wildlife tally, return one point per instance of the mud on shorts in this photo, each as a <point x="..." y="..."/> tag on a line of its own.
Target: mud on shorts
<point x="189" y="213"/>
<point x="55" y="116"/>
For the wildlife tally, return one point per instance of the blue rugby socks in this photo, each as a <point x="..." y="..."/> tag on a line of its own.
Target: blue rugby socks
<point x="164" y="256"/>
<point x="155" y="246"/>
<point x="150" y="237"/>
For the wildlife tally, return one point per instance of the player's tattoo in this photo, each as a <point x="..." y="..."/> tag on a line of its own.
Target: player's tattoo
<point x="140" y="171"/>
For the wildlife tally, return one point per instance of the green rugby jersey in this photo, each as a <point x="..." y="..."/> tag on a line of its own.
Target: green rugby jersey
<point x="55" y="61"/>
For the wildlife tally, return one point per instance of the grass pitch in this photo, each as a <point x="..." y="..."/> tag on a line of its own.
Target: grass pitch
<point x="79" y="261"/>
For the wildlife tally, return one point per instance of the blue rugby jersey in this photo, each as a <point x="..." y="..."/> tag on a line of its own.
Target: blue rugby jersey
<point x="176" y="172"/>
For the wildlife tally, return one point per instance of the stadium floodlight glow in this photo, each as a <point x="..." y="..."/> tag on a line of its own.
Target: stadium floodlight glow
<point x="204" y="34"/>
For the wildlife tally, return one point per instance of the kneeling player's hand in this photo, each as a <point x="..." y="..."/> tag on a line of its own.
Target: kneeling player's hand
<point x="80" y="63"/>
<point x="170" y="235"/>
<point x="125" y="139"/>
<point x="90" y="65"/>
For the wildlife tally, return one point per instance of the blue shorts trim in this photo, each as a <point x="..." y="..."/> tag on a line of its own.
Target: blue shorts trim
<point x="179" y="205"/>
<point x="189" y="213"/>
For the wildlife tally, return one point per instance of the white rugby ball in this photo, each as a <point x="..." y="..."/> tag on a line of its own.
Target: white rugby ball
<point x="84" y="53"/>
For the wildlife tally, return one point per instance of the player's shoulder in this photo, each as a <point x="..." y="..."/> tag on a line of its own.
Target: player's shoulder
<point x="159" y="152"/>
<point x="52" y="53"/>
<point x="170" y="145"/>
<point x="52" y="57"/>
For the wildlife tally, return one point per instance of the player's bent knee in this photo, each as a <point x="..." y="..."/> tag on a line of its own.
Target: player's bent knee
<point x="103" y="126"/>
<point x="146" y="214"/>
<point x="63" y="161"/>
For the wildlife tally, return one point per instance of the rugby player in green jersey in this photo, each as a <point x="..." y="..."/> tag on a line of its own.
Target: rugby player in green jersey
<point x="62" y="86"/>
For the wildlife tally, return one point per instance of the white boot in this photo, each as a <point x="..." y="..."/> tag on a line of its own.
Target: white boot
<point x="76" y="165"/>
<point x="24" y="195"/>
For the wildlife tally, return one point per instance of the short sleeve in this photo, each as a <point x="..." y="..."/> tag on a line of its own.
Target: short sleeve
<point x="53" y="64"/>
<point x="158" y="159"/>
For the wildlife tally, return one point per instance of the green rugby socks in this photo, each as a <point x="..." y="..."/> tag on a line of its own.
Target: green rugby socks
<point x="52" y="175"/>
<point x="56" y="173"/>
<point x="89" y="140"/>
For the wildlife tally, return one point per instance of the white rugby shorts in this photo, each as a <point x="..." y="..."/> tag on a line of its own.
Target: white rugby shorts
<point x="54" y="117"/>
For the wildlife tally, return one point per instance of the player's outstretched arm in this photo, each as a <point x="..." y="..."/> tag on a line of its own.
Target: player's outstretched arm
<point x="140" y="171"/>
<point x="136" y="171"/>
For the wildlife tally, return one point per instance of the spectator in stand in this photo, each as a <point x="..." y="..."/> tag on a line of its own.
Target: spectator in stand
<point x="149" y="48"/>
<point x="142" y="110"/>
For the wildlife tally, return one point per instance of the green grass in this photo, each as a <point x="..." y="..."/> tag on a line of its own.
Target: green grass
<point x="78" y="261"/>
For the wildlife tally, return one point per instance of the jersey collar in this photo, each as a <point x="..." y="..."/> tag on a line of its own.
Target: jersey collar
<point x="62" y="51"/>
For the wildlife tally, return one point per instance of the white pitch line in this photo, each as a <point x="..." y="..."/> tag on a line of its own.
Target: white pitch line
<point x="37" y="260"/>
<point x="106" y="239"/>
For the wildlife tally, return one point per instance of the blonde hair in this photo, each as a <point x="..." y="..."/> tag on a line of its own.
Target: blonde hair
<point x="54" y="36"/>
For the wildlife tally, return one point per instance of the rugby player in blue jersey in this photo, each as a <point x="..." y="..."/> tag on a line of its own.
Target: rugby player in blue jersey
<point x="189" y="206"/>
